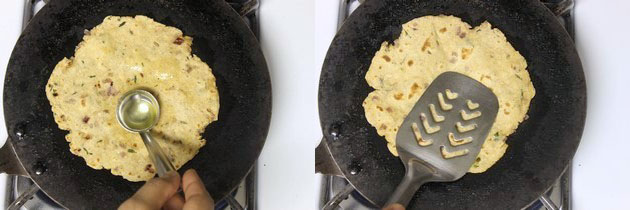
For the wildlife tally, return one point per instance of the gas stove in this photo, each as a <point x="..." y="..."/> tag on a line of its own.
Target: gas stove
<point x="337" y="193"/>
<point x="22" y="193"/>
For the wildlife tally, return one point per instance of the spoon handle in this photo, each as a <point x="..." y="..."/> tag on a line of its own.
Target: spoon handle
<point x="161" y="162"/>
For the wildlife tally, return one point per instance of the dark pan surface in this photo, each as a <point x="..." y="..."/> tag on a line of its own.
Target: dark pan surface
<point x="220" y="38"/>
<point x="539" y="150"/>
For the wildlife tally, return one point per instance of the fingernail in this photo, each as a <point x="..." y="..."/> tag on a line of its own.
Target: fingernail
<point x="193" y="170"/>
<point x="170" y="174"/>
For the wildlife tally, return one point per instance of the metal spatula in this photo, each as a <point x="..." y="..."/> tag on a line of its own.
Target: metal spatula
<point x="442" y="135"/>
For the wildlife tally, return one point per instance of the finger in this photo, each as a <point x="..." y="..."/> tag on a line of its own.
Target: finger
<point x="394" y="206"/>
<point x="154" y="193"/>
<point x="175" y="203"/>
<point x="195" y="192"/>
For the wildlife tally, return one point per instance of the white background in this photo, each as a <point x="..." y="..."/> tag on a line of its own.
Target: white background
<point x="287" y="163"/>
<point x="295" y="35"/>
<point x="601" y="167"/>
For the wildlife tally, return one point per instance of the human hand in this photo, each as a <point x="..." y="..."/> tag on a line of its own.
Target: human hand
<point x="394" y="206"/>
<point x="161" y="193"/>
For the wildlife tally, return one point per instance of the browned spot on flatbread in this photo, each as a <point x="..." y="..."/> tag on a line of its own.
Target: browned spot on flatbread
<point x="149" y="168"/>
<point x="427" y="44"/>
<point x="178" y="41"/>
<point x="466" y="52"/>
<point x="414" y="87"/>
<point x="188" y="68"/>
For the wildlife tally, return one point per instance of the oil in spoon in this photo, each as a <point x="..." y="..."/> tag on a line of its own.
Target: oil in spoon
<point x="140" y="112"/>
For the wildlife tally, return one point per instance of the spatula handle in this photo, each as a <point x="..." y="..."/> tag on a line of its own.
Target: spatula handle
<point x="415" y="176"/>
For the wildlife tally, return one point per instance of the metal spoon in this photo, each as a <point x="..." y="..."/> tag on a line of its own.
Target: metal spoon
<point x="138" y="111"/>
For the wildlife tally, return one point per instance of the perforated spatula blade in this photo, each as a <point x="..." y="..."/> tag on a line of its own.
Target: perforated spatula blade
<point x="442" y="135"/>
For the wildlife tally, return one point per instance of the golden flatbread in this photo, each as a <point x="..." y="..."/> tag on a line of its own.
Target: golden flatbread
<point x="430" y="45"/>
<point x="121" y="54"/>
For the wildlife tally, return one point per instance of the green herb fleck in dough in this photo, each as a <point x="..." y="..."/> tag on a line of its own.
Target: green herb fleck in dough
<point x="86" y="151"/>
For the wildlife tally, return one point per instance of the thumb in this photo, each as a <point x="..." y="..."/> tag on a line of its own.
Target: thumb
<point x="195" y="192"/>
<point x="154" y="193"/>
